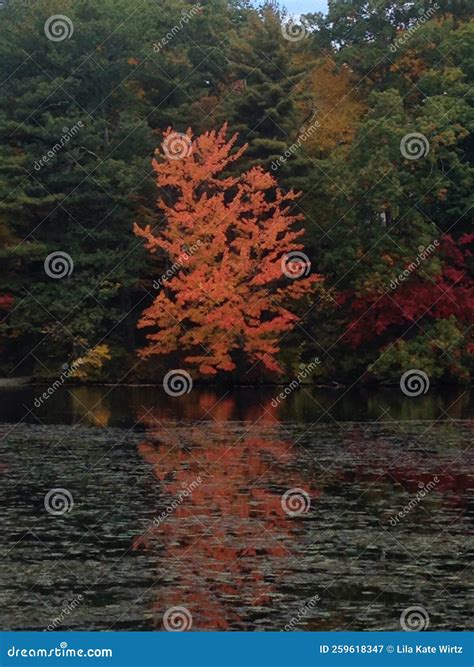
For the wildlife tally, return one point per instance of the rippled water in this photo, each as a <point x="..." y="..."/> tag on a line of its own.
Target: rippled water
<point x="178" y="502"/>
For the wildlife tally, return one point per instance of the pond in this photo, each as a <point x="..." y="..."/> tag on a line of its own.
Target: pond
<point x="127" y="509"/>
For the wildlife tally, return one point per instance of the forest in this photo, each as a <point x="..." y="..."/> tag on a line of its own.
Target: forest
<point x="219" y="188"/>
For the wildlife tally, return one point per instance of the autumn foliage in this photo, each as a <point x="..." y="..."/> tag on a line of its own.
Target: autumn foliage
<point x="225" y="301"/>
<point x="329" y="98"/>
<point x="219" y="568"/>
<point x="6" y="302"/>
<point x="449" y="294"/>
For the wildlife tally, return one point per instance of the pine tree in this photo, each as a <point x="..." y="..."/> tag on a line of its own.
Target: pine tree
<point x="260" y="100"/>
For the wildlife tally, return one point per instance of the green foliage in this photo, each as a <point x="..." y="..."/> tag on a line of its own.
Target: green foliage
<point x="81" y="118"/>
<point x="440" y="352"/>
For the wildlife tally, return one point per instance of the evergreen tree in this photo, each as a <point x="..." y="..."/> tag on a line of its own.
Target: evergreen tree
<point x="260" y="102"/>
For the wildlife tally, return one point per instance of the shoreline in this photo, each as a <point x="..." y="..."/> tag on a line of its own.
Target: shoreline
<point x="15" y="383"/>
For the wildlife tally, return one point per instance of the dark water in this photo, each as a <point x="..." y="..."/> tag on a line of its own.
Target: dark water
<point x="178" y="502"/>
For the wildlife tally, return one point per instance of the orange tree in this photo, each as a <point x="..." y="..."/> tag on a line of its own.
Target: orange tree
<point x="236" y="265"/>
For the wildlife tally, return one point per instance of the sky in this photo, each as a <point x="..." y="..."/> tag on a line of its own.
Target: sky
<point x="305" y="6"/>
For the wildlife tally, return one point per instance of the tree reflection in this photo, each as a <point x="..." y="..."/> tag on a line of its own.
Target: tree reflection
<point x="222" y="548"/>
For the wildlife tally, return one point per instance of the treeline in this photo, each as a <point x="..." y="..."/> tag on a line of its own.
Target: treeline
<point x="367" y="111"/>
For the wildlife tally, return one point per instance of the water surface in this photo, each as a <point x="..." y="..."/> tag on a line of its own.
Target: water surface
<point x="178" y="502"/>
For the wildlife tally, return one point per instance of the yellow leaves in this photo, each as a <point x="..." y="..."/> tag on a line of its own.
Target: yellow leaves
<point x="410" y="65"/>
<point x="376" y="283"/>
<point x="136" y="89"/>
<point x="330" y="99"/>
<point x="87" y="404"/>
<point x="91" y="362"/>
